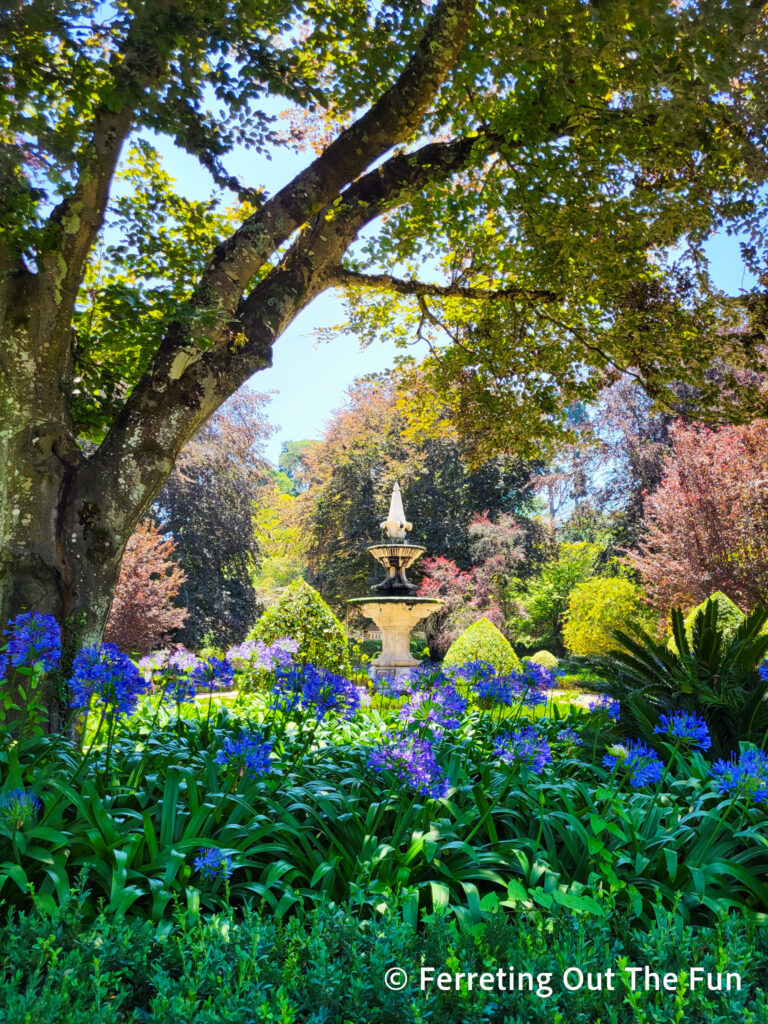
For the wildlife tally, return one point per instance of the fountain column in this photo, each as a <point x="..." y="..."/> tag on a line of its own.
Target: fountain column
<point x="396" y="610"/>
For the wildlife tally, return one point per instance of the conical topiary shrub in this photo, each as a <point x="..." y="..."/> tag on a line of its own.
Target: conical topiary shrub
<point x="729" y="618"/>
<point x="303" y="615"/>
<point x="482" y="641"/>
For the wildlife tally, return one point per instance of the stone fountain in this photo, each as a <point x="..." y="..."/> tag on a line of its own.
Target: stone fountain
<point x="395" y="609"/>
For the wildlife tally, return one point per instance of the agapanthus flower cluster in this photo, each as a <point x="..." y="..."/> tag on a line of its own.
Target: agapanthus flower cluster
<point x="641" y="764"/>
<point x="425" y="676"/>
<point x="571" y="737"/>
<point x="607" y="705"/>
<point x="683" y="727"/>
<point x="493" y="691"/>
<point x="278" y="654"/>
<point x="539" y="676"/>
<point x="178" y="688"/>
<point x="108" y="674"/>
<point x="213" y="674"/>
<point x="746" y="775"/>
<point x="240" y="655"/>
<point x="490" y="688"/>
<point x="152" y="666"/>
<point x="249" y="753"/>
<point x="182" y="660"/>
<point x="212" y="864"/>
<point x="414" y="762"/>
<point x="523" y="747"/>
<point x="474" y="671"/>
<point x="763" y="671"/>
<point x="315" y="691"/>
<point x="527" y="692"/>
<point x="33" y="638"/>
<point x="437" y="710"/>
<point x="18" y="806"/>
<point x="3" y="666"/>
<point x="257" y="654"/>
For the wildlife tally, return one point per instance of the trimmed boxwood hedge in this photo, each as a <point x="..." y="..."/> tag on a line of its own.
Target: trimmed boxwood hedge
<point x="329" y="968"/>
<point x="482" y="641"/>
<point x="302" y="614"/>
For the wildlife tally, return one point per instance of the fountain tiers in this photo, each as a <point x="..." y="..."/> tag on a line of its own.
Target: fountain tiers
<point x="396" y="609"/>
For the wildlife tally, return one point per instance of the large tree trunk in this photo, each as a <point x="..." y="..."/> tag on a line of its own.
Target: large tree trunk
<point x="55" y="554"/>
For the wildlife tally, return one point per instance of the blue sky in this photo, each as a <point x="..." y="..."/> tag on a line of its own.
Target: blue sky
<point x="310" y="377"/>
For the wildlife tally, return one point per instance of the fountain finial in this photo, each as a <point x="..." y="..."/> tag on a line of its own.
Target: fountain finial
<point x="395" y="525"/>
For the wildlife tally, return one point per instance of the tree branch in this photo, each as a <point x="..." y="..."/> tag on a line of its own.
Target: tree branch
<point x="395" y="116"/>
<point x="387" y="282"/>
<point x="184" y="385"/>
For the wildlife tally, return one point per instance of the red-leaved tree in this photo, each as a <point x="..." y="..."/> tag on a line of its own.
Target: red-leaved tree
<point x="496" y="547"/>
<point x="707" y="524"/>
<point x="143" y="612"/>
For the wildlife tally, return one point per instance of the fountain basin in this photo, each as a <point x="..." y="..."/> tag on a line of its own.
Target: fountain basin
<point x="395" y="617"/>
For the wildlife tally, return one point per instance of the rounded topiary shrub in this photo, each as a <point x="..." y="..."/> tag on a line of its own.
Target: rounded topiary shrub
<point x="599" y="606"/>
<point x="729" y="616"/>
<point x="544" y="658"/>
<point x="482" y="641"/>
<point x="302" y="614"/>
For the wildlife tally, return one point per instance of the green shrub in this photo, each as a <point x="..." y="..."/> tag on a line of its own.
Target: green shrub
<point x="330" y="966"/>
<point x="598" y="607"/>
<point x="482" y="641"/>
<point x="729" y="618"/>
<point x="544" y="658"/>
<point x="302" y="614"/>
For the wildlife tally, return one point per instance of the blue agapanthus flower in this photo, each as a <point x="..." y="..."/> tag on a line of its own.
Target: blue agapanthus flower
<point x="249" y="753"/>
<point x="437" y="709"/>
<point x="414" y="762"/>
<point x="474" y="670"/>
<point x="763" y="671"/>
<point x="539" y="676"/>
<point x="108" y="674"/>
<point x="3" y="666"/>
<point x="152" y="666"/>
<point x="426" y="676"/>
<point x="212" y="864"/>
<point x="214" y="674"/>
<point x="642" y="765"/>
<point x="18" y="806"/>
<point x="182" y="660"/>
<point x="178" y="688"/>
<point x="490" y="688"/>
<point x="257" y="654"/>
<point x="687" y="728"/>
<point x="607" y="705"/>
<point x="33" y="638"/>
<point x="746" y="775"/>
<point x="571" y="737"/>
<point x="523" y="747"/>
<point x="315" y="691"/>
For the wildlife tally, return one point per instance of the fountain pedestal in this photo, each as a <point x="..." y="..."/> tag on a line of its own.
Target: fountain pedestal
<point x="395" y="609"/>
<point x="395" y="617"/>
